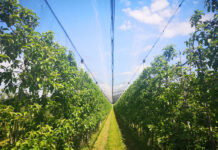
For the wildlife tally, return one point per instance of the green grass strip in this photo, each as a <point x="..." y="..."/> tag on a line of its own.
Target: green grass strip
<point x="114" y="140"/>
<point x="102" y="138"/>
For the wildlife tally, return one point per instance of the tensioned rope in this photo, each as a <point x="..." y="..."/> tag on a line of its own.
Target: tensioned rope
<point x="72" y="44"/>
<point x="112" y="45"/>
<point x="155" y="43"/>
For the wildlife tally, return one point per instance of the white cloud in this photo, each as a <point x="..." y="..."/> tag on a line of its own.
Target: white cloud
<point x="158" y="5"/>
<point x="178" y="28"/>
<point x="126" y="26"/>
<point x="158" y="14"/>
<point x="144" y="15"/>
<point x="182" y="27"/>
<point x="166" y="13"/>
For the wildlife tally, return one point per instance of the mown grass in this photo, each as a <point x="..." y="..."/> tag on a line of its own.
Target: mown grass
<point x="114" y="140"/>
<point x="95" y="136"/>
<point x="102" y="138"/>
<point x="108" y="137"/>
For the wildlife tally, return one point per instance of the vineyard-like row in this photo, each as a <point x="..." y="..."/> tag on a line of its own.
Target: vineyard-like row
<point x="47" y="102"/>
<point x="174" y="106"/>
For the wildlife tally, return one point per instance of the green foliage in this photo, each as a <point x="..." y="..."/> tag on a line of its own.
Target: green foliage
<point x="53" y="104"/>
<point x="175" y="107"/>
<point x="212" y="5"/>
<point x="169" y="52"/>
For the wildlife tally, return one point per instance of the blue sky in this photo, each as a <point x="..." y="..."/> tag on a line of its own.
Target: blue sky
<point x="137" y="25"/>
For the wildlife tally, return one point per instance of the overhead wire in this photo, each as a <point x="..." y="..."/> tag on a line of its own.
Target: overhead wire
<point x="165" y="27"/>
<point x="62" y="27"/>
<point x="112" y="3"/>
<point x="137" y="70"/>
<point x="72" y="44"/>
<point x="155" y="43"/>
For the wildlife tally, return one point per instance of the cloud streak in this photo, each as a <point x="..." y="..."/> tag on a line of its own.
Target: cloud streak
<point x="126" y="26"/>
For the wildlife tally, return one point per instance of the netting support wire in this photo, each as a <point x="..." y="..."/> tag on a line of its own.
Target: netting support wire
<point x="165" y="27"/>
<point x="71" y="42"/>
<point x="158" y="39"/>
<point x="112" y="45"/>
<point x="62" y="27"/>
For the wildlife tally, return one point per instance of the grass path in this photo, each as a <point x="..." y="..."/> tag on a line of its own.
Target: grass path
<point x="110" y="137"/>
<point x="102" y="138"/>
<point x="114" y="140"/>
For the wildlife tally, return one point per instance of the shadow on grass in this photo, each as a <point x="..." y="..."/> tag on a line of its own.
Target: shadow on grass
<point x="130" y="139"/>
